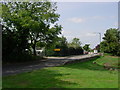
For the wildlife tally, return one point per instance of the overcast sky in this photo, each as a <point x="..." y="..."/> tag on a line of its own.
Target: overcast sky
<point x="82" y="19"/>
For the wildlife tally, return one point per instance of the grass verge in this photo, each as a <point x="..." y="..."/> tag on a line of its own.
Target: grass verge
<point x="76" y="75"/>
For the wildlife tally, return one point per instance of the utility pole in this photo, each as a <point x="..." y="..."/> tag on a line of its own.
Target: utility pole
<point x="99" y="38"/>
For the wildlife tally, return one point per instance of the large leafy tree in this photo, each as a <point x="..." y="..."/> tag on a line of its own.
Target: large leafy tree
<point x="12" y="29"/>
<point x="75" y="47"/>
<point x="31" y="21"/>
<point x="111" y="43"/>
<point x="61" y="42"/>
<point x="75" y="43"/>
<point x="86" y="47"/>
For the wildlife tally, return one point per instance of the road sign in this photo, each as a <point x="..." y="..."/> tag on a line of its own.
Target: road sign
<point x="56" y="49"/>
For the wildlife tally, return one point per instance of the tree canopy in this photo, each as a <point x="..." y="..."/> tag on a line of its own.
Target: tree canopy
<point x="75" y="43"/>
<point x="26" y="23"/>
<point x="111" y="43"/>
<point x="86" y="47"/>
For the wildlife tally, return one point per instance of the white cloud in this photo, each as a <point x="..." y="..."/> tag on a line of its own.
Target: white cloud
<point x="76" y="20"/>
<point x="113" y="17"/>
<point x="90" y="34"/>
<point x="97" y="17"/>
<point x="81" y="20"/>
<point x="66" y="32"/>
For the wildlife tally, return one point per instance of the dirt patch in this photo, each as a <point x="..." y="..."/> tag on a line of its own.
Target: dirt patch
<point x="23" y="83"/>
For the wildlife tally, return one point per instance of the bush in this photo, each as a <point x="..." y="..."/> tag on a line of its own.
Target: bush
<point x="20" y="57"/>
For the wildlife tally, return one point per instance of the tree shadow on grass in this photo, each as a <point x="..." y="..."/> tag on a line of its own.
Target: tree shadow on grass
<point x="88" y="64"/>
<point x="44" y="78"/>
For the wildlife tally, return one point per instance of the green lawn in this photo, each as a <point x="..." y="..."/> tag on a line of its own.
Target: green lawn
<point x="76" y="75"/>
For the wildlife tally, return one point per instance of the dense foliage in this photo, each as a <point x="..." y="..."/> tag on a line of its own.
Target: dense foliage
<point x="86" y="47"/>
<point x="25" y="24"/>
<point x="111" y="43"/>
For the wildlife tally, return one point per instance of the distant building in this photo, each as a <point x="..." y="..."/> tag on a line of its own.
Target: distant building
<point x="39" y="51"/>
<point x="85" y="52"/>
<point x="97" y="48"/>
<point x="90" y="52"/>
<point x="95" y="51"/>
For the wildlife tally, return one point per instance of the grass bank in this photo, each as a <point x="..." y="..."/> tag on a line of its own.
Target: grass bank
<point x="76" y="75"/>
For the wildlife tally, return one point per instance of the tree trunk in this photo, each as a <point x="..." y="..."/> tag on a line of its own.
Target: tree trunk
<point x="34" y="48"/>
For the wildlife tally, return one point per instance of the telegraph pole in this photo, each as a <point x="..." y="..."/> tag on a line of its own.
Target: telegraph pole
<point x="99" y="38"/>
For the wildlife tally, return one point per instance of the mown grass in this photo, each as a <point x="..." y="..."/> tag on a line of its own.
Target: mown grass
<point x="76" y="75"/>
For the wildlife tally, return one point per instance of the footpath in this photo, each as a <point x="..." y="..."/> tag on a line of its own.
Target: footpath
<point x="12" y="69"/>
